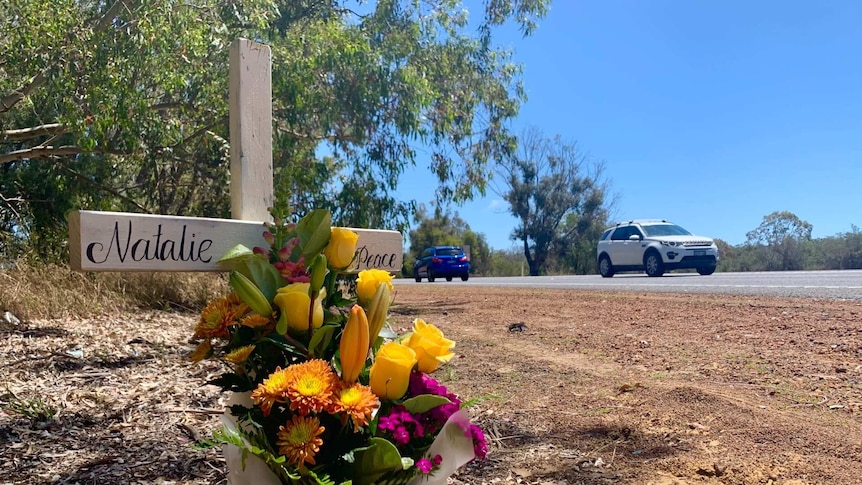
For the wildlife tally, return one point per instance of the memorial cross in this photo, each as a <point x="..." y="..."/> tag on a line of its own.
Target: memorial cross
<point x="118" y="241"/>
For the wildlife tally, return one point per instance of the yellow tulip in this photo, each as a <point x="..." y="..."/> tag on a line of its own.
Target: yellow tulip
<point x="390" y="373"/>
<point x="367" y="283"/>
<point x="430" y="346"/>
<point x="341" y="248"/>
<point x="294" y="302"/>
<point x="353" y="346"/>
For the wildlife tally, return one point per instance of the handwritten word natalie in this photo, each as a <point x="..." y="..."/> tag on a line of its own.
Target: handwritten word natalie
<point x="159" y="247"/>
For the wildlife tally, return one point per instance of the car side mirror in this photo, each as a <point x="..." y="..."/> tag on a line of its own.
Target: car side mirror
<point x="635" y="237"/>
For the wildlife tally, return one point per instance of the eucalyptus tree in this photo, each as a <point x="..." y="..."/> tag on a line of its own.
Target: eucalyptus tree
<point x="555" y="192"/>
<point x="123" y="105"/>
<point x="786" y="236"/>
<point x="113" y="105"/>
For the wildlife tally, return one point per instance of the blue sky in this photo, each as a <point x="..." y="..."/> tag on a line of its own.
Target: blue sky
<point x="708" y="114"/>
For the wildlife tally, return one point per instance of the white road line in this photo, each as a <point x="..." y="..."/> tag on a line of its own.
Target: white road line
<point x="655" y="285"/>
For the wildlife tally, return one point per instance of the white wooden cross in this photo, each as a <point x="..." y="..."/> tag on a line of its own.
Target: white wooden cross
<point x="118" y="241"/>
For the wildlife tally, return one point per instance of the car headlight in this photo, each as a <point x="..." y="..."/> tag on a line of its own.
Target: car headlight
<point x="672" y="244"/>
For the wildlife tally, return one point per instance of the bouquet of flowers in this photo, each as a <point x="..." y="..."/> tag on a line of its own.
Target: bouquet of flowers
<point x="322" y="391"/>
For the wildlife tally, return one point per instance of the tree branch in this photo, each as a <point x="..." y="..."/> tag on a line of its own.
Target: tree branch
<point x="11" y="99"/>
<point x="53" y="152"/>
<point x="108" y="18"/>
<point x="51" y="129"/>
<point x="39" y="152"/>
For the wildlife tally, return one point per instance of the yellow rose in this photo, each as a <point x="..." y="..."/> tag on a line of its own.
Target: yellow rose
<point x="341" y="248"/>
<point x="390" y="373"/>
<point x="293" y="300"/>
<point x="430" y="346"/>
<point x="367" y="283"/>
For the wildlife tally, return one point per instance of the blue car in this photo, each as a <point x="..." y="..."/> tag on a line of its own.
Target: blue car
<point x="442" y="262"/>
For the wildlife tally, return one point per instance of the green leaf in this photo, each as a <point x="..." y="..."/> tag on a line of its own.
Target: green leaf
<point x="372" y="462"/>
<point x="254" y="444"/>
<point x="255" y="267"/>
<point x="264" y="275"/>
<point x="291" y="347"/>
<point x="321" y="339"/>
<point x="236" y="255"/>
<point x="314" y="230"/>
<point x="424" y="403"/>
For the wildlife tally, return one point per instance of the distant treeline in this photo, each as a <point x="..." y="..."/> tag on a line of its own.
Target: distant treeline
<point x="842" y="251"/>
<point x="782" y="242"/>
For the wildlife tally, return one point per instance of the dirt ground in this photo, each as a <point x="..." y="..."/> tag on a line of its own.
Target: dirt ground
<point x="578" y="387"/>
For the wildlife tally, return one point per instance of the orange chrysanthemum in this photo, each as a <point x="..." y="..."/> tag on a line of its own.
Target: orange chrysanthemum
<point x="356" y="402"/>
<point x="255" y="321"/>
<point x="299" y="440"/>
<point x="218" y="316"/>
<point x="240" y="355"/>
<point x="272" y="389"/>
<point x="202" y="351"/>
<point x="311" y="387"/>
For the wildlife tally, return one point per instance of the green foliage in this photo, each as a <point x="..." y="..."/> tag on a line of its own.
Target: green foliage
<point x="778" y="227"/>
<point x="424" y="403"/>
<point x="35" y="410"/>
<point x="557" y="196"/>
<point x="507" y="262"/>
<point x="577" y="255"/>
<point x="446" y="229"/>
<point x="123" y="105"/>
<point x="378" y="459"/>
<point x="842" y="251"/>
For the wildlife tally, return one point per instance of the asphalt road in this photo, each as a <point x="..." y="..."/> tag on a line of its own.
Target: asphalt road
<point x="838" y="285"/>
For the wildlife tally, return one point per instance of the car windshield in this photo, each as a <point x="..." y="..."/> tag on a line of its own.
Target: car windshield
<point x="665" y="230"/>
<point x="449" y="252"/>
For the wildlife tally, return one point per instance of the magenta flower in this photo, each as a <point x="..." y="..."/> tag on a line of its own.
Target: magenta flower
<point x="424" y="465"/>
<point x="420" y="429"/>
<point x="480" y="446"/>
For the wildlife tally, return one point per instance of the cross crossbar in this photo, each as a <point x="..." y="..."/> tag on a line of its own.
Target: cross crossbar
<point x="118" y="241"/>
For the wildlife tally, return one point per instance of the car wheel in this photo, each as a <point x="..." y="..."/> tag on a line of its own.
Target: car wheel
<point x="448" y="278"/>
<point x="606" y="269"/>
<point x="417" y="277"/>
<point x="706" y="271"/>
<point x="465" y="276"/>
<point x="430" y="276"/>
<point x="653" y="264"/>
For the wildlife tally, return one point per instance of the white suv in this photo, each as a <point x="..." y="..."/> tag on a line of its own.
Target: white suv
<point x="654" y="246"/>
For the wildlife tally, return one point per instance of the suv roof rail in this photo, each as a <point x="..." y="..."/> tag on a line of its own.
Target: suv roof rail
<point x="641" y="221"/>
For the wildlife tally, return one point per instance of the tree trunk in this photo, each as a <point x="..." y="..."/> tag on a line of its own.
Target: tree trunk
<point x="534" y="268"/>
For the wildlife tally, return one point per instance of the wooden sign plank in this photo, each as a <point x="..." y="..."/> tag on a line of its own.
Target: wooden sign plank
<point x="118" y="241"/>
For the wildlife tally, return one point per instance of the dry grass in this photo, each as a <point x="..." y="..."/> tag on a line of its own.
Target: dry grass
<point x="32" y="292"/>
